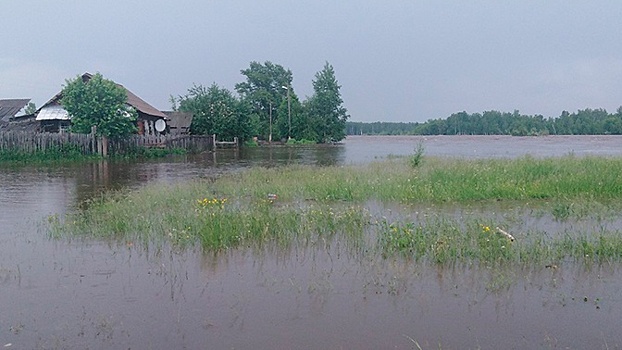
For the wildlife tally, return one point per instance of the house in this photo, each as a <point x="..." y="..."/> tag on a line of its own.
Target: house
<point x="54" y="118"/>
<point x="179" y="122"/>
<point x="10" y="107"/>
<point x="9" y="122"/>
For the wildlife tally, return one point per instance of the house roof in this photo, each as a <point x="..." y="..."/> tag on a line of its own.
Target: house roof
<point x="10" y="107"/>
<point x="132" y="100"/>
<point x="141" y="105"/>
<point x="53" y="112"/>
<point x="178" y="119"/>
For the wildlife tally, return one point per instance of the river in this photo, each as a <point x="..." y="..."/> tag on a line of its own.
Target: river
<point x="85" y="293"/>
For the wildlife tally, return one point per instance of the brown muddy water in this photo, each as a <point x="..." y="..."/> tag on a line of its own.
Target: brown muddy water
<point x="79" y="293"/>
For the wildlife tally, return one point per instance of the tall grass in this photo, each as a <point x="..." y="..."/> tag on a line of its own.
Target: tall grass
<point x="310" y="203"/>
<point x="191" y="213"/>
<point x="62" y="153"/>
<point x="69" y="153"/>
<point x="439" y="180"/>
<point x="443" y="240"/>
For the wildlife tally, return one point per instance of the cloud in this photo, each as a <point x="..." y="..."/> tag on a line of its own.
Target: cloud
<point x="590" y="82"/>
<point x="22" y="79"/>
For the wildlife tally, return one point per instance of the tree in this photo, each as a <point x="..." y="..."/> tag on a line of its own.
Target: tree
<point x="325" y="107"/>
<point x="216" y="111"/>
<point x="31" y="108"/>
<point x="301" y="127"/>
<point x="95" y="101"/>
<point x="262" y="91"/>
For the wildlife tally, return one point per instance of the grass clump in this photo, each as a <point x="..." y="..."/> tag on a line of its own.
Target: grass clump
<point x="62" y="153"/>
<point x="304" y="203"/>
<point x="188" y="214"/>
<point x="441" y="180"/>
<point x="443" y="240"/>
<point x="294" y="142"/>
<point x="251" y="143"/>
<point x="416" y="159"/>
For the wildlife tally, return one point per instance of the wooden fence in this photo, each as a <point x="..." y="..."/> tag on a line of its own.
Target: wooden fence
<point x="191" y="143"/>
<point x="29" y="142"/>
<point x="225" y="144"/>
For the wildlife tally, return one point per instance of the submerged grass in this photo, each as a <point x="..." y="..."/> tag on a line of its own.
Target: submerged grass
<point x="440" y="180"/>
<point x="443" y="240"/>
<point x="189" y="213"/>
<point x="303" y="203"/>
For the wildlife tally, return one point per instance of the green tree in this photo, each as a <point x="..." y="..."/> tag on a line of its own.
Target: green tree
<point x="95" y="101"/>
<point x="31" y="108"/>
<point x="262" y="91"/>
<point x="216" y="111"/>
<point x="325" y="107"/>
<point x="301" y="127"/>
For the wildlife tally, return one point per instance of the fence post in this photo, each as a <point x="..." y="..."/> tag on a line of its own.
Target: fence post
<point x="94" y="146"/>
<point x="104" y="146"/>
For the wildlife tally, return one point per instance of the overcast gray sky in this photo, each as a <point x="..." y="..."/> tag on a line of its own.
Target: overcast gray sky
<point x="396" y="60"/>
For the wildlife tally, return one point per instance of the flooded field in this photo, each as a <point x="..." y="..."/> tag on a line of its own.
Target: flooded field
<point x="324" y="293"/>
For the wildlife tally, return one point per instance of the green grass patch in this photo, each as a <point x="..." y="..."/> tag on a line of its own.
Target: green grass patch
<point x="191" y="213"/>
<point x="150" y="152"/>
<point x="294" y="142"/>
<point x="251" y="144"/>
<point x="443" y="240"/>
<point x="64" y="153"/>
<point x="440" y="180"/>
<point x="306" y="204"/>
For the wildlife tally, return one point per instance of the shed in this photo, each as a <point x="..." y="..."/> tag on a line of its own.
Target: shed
<point x="10" y="107"/>
<point x="179" y="122"/>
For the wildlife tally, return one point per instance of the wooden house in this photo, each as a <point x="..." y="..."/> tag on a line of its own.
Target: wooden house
<point x="54" y="118"/>
<point x="10" y="107"/>
<point x="179" y="122"/>
<point x="9" y="121"/>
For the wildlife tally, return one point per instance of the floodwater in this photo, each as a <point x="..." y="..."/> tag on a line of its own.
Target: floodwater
<point x="81" y="293"/>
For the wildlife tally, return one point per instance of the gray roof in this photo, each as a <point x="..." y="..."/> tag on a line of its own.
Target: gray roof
<point x="10" y="107"/>
<point x="141" y="105"/>
<point x="53" y="112"/>
<point x="179" y="120"/>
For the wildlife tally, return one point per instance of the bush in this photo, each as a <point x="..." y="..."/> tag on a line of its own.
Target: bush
<point x="417" y="158"/>
<point x="294" y="142"/>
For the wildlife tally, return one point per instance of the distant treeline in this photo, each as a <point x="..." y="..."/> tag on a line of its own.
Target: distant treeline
<point x="583" y="122"/>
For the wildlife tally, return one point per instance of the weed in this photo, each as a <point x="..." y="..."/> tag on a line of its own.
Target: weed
<point x="417" y="158"/>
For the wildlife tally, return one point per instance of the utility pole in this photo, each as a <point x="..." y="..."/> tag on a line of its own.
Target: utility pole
<point x="289" y="112"/>
<point x="270" y="136"/>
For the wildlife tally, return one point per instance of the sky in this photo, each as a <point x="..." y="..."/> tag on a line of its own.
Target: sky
<point x="398" y="61"/>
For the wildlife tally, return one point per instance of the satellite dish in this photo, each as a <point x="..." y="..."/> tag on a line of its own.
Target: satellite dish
<point x="160" y="125"/>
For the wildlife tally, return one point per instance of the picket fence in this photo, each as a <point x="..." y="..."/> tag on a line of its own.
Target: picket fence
<point x="88" y="144"/>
